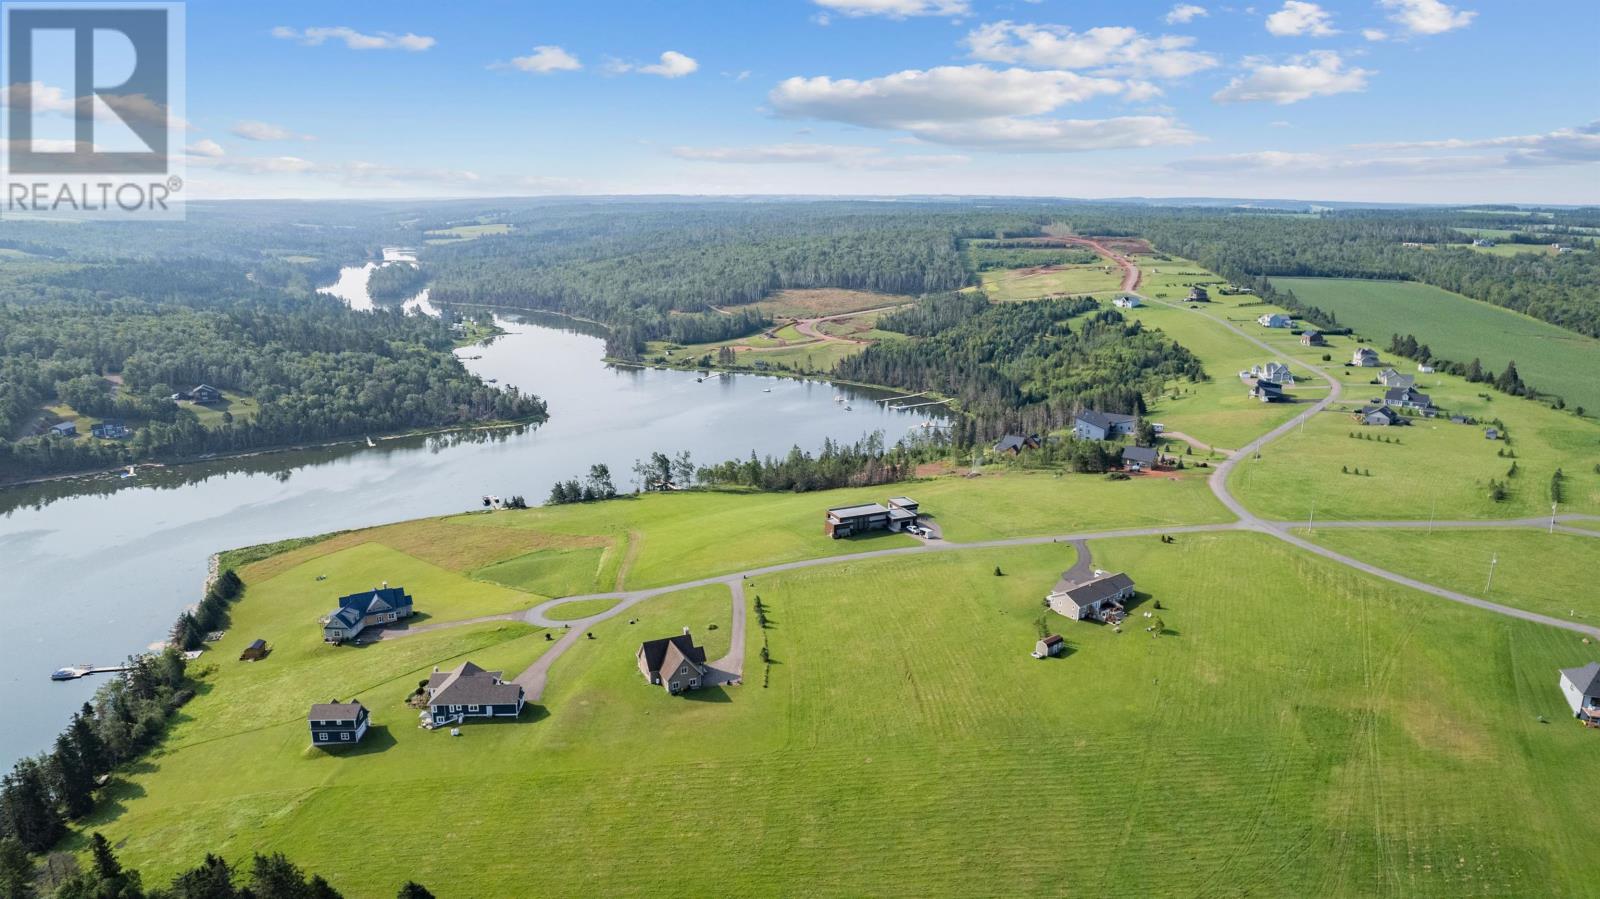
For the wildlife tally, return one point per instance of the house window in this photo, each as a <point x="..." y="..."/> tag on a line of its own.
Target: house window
<point x="338" y="634"/>
<point x="472" y="708"/>
<point x="322" y="737"/>
<point x="345" y="736"/>
<point x="674" y="686"/>
<point x="694" y="682"/>
<point x="455" y="708"/>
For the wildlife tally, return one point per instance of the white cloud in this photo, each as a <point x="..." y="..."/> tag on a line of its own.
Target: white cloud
<point x="1107" y="50"/>
<point x="265" y="131"/>
<point x="355" y="40"/>
<point x="1320" y="73"/>
<point x="544" y="59"/>
<point x="1427" y="16"/>
<point x="979" y="107"/>
<point x="1375" y="34"/>
<point x="1299" y="18"/>
<point x="1560" y="147"/>
<point x="894" y="9"/>
<point x="1184" y="13"/>
<point x="943" y="94"/>
<point x="672" y="65"/>
<point x="841" y="155"/>
<point x="206" y="147"/>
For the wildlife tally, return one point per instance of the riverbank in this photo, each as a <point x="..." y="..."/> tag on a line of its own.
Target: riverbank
<point x="180" y="461"/>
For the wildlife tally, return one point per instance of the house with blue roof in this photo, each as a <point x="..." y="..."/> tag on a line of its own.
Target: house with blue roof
<point x="359" y="611"/>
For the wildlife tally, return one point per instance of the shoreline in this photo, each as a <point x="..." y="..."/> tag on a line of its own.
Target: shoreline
<point x="97" y="473"/>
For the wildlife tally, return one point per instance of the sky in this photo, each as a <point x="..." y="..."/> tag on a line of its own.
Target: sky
<point x="1368" y="100"/>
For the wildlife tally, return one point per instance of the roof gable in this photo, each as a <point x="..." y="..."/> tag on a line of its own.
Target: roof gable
<point x="1585" y="680"/>
<point x="655" y="652"/>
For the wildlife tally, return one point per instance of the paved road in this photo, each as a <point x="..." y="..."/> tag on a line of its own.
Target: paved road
<point x="731" y="666"/>
<point x="1249" y="520"/>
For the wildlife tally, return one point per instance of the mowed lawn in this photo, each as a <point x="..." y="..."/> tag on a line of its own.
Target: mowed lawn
<point x="1435" y="467"/>
<point x="1297" y="730"/>
<point x="1552" y="359"/>
<point x="677" y="537"/>
<point x="1554" y="574"/>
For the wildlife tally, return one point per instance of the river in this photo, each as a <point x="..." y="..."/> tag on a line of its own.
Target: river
<point x="96" y="569"/>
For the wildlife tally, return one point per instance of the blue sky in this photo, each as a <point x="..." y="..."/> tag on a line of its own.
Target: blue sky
<point x="1403" y="100"/>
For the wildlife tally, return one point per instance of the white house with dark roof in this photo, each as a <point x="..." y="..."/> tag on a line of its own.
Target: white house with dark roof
<point x="1098" y="598"/>
<point x="1365" y="357"/>
<point x="1127" y="301"/>
<point x="1391" y="378"/>
<point x="1092" y="425"/>
<point x="338" y="723"/>
<point x="1581" y="686"/>
<point x="1275" y="320"/>
<point x="468" y="691"/>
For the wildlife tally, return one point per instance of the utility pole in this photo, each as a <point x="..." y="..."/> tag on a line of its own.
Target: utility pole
<point x="1311" y="520"/>
<point x="1553" y="517"/>
<point x="1492" y="561"/>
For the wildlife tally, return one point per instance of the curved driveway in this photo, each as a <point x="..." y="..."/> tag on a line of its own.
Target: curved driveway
<point x="729" y="669"/>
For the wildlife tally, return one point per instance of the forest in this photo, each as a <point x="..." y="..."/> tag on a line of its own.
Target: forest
<point x="1022" y="367"/>
<point x="395" y="281"/>
<point x="117" y="340"/>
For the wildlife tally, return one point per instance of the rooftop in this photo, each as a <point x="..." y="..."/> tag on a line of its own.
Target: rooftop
<point x="1585" y="679"/>
<point x="854" y="511"/>
<point x="335" y="711"/>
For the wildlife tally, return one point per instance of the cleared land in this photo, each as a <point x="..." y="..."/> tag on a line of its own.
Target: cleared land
<point x="1297" y="730"/>
<point x="1006" y="285"/>
<point x="466" y="232"/>
<point x="1552" y="359"/>
<point x="1550" y="573"/>
<point x="813" y="303"/>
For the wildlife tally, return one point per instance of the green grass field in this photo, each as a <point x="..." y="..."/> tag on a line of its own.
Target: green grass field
<point x="1298" y="729"/>
<point x="1220" y="411"/>
<point x="1552" y="359"/>
<point x="1436" y="467"/>
<point x="1550" y="573"/>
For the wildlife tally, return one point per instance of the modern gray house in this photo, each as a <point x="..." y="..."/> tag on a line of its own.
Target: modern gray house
<point x="468" y="691"/>
<point x="64" y="429"/>
<point x="842" y="521"/>
<point x="369" y="608"/>
<point x="1101" y="598"/>
<point x="338" y="723"/>
<point x="1364" y="357"/>
<point x="673" y="662"/>
<point x="1092" y="425"/>
<point x="1582" y="689"/>
<point x="1391" y="378"/>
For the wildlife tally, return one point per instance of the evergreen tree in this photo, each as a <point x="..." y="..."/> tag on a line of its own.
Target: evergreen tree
<point x="27" y="810"/>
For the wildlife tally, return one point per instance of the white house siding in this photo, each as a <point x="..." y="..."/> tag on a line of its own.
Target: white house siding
<point x="1574" y="698"/>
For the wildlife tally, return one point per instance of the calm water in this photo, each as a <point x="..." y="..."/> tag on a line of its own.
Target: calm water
<point x="95" y="570"/>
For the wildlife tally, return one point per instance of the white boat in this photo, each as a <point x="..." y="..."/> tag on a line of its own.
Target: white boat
<point x="370" y="443"/>
<point x="838" y="397"/>
<point x="128" y="473"/>
<point x="766" y="390"/>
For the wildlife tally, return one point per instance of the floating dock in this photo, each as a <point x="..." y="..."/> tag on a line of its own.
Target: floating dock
<point x="73" y="672"/>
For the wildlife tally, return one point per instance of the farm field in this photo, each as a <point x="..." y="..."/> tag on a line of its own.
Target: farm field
<point x="1553" y="574"/>
<point x="1552" y="359"/>
<point x="466" y="232"/>
<point x="1297" y="729"/>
